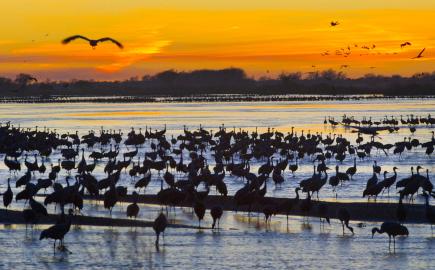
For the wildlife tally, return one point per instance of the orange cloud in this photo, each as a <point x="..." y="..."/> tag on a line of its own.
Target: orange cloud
<point x="134" y="54"/>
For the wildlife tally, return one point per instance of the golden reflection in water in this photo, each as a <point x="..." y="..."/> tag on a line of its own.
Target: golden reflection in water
<point x="341" y="106"/>
<point x="113" y="114"/>
<point x="121" y="114"/>
<point x="312" y="128"/>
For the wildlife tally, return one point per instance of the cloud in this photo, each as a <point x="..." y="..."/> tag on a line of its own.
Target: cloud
<point x="134" y="54"/>
<point x="104" y="58"/>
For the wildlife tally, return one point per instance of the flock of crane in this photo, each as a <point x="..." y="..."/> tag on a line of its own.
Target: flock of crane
<point x="233" y="152"/>
<point x="345" y="53"/>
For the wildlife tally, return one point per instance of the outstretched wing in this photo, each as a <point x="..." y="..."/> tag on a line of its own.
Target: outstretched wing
<point x="421" y="52"/>
<point x="112" y="40"/>
<point x="71" y="38"/>
<point x="419" y="55"/>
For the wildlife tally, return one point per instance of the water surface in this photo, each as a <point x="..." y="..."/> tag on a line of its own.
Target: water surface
<point x="243" y="242"/>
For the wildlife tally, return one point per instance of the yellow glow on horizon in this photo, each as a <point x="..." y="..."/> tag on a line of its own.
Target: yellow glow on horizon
<point x="264" y="38"/>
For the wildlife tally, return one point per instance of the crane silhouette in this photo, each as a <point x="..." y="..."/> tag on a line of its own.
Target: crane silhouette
<point x="92" y="42"/>
<point x="216" y="213"/>
<point x="133" y="209"/>
<point x="407" y="43"/>
<point x="344" y="217"/>
<point x="159" y="226"/>
<point x="57" y="231"/>
<point x="393" y="229"/>
<point x="8" y="195"/>
<point x="420" y="55"/>
<point x="199" y="209"/>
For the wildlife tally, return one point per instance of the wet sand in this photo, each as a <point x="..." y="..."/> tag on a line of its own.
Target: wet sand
<point x="16" y="217"/>
<point x="371" y="211"/>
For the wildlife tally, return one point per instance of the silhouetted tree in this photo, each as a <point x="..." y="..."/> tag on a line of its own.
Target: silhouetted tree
<point x="226" y="81"/>
<point x="24" y="79"/>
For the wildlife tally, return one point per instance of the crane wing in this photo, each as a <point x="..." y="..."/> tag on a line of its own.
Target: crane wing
<point x="421" y="52"/>
<point x="112" y="40"/>
<point x="71" y="38"/>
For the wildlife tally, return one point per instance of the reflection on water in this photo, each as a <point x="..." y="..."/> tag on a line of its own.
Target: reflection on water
<point x="244" y="241"/>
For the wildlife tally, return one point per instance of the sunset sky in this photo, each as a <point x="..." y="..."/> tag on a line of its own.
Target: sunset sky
<point x="262" y="37"/>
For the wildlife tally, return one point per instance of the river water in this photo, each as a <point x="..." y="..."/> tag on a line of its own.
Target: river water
<point x="243" y="242"/>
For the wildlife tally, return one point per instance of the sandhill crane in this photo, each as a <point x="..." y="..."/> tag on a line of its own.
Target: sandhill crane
<point x="393" y="229"/>
<point x="372" y="180"/>
<point x="216" y="213"/>
<point x="159" y="226"/>
<point x="57" y="231"/>
<point x="23" y="180"/>
<point x="376" y="167"/>
<point x="144" y="181"/>
<point x="334" y="181"/>
<point x="169" y="177"/>
<point x="199" y="209"/>
<point x="268" y="211"/>
<point x="401" y="212"/>
<point x="322" y="211"/>
<point x="388" y="182"/>
<point x="37" y="207"/>
<point x="420" y="55"/>
<point x="344" y="217"/>
<point x="294" y="167"/>
<point x="133" y="209"/>
<point x="425" y="183"/>
<point x="110" y="198"/>
<point x="288" y="204"/>
<point x="407" y="43"/>
<point x="92" y="42"/>
<point x="8" y="195"/>
<point x="373" y="190"/>
<point x="352" y="170"/>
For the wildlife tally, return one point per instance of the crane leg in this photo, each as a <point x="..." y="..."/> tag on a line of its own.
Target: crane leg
<point x="389" y="243"/>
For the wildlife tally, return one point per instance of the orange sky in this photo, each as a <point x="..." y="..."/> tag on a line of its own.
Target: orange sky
<point x="262" y="37"/>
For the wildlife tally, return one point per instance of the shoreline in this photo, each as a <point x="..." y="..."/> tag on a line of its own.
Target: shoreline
<point x="201" y="99"/>
<point x="359" y="211"/>
<point x="16" y="217"/>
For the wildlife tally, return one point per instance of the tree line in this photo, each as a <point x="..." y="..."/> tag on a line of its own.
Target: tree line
<point x="224" y="81"/>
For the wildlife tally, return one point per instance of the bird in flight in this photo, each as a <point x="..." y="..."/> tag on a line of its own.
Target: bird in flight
<point x="420" y="55"/>
<point x="334" y="23"/>
<point x="92" y="42"/>
<point x="344" y="66"/>
<point x="405" y="44"/>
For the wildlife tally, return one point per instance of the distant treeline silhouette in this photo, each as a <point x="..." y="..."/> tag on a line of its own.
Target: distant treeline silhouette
<point x="225" y="81"/>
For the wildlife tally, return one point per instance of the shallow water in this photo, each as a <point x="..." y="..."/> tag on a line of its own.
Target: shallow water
<point x="242" y="243"/>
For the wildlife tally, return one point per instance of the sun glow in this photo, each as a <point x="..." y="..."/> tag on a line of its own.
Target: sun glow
<point x="262" y="37"/>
